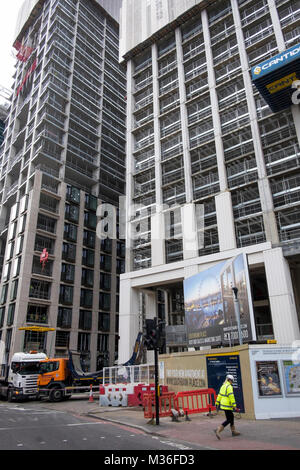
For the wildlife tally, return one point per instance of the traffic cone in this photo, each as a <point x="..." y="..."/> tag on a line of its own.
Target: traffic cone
<point x="91" y="399"/>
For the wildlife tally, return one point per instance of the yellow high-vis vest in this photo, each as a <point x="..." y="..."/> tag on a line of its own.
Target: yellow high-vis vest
<point x="226" y="399"/>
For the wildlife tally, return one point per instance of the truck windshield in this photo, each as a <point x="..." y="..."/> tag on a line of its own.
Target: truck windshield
<point x="25" y="368"/>
<point x="48" y="367"/>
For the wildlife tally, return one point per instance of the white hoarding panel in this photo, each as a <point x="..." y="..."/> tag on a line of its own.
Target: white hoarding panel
<point x="275" y="373"/>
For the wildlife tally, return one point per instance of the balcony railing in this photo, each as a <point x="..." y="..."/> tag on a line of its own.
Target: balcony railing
<point x="282" y="160"/>
<point x="145" y="142"/>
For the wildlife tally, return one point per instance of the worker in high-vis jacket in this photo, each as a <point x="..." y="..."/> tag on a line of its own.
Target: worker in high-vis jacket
<point x="226" y="401"/>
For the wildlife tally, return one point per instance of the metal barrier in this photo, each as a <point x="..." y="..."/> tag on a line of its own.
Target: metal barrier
<point x="196" y="401"/>
<point x="143" y="373"/>
<point x="166" y="403"/>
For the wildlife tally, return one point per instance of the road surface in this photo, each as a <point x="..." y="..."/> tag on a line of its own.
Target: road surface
<point x="31" y="426"/>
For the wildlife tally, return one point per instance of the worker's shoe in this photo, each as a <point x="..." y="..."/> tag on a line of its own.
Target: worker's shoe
<point x="218" y="431"/>
<point x="234" y="432"/>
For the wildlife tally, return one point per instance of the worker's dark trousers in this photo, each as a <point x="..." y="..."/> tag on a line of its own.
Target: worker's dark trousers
<point x="229" y="418"/>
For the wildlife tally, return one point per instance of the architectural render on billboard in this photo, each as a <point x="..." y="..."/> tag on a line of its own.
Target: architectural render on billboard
<point x="63" y="154"/>
<point x="212" y="172"/>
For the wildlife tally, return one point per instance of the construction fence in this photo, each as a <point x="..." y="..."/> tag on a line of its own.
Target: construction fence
<point x="143" y="373"/>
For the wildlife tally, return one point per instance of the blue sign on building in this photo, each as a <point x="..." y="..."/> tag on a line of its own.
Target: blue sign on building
<point x="218" y="366"/>
<point x="275" y="76"/>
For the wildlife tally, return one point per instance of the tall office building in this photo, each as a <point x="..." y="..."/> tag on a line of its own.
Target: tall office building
<point x="5" y="95"/>
<point x="212" y="172"/>
<point x="63" y="156"/>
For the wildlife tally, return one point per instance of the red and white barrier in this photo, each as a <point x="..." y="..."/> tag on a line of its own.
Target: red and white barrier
<point x="126" y="394"/>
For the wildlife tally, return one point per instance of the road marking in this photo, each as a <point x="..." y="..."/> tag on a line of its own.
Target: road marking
<point x="17" y="408"/>
<point x="174" y="444"/>
<point x="81" y="424"/>
<point x="31" y="410"/>
<point x="51" y="425"/>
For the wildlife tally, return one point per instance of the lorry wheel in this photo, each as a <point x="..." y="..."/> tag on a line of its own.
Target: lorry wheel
<point x="56" y="394"/>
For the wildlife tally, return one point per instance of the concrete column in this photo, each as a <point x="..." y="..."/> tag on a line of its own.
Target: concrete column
<point x="214" y="104"/>
<point x="158" y="239"/>
<point x="157" y="219"/>
<point x="183" y="117"/>
<point x="263" y="182"/>
<point x="267" y="206"/>
<point x="225" y="220"/>
<point x="150" y="304"/>
<point x="282" y="302"/>
<point x="189" y="231"/>
<point x="276" y="26"/>
<point x="129" y="168"/>
<point x="25" y="273"/>
<point x="157" y="150"/>
<point x="128" y="319"/>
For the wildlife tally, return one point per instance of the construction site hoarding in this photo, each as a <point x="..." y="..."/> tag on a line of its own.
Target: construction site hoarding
<point x="218" y="366"/>
<point x="198" y="370"/>
<point x="275" y="372"/>
<point x="211" y="312"/>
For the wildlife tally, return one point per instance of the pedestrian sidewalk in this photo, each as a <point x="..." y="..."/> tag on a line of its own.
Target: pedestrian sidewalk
<point x="273" y="434"/>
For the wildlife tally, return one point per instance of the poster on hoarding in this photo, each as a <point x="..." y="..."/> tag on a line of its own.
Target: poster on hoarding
<point x="210" y="316"/>
<point x="292" y="378"/>
<point x="218" y="366"/>
<point x="268" y="379"/>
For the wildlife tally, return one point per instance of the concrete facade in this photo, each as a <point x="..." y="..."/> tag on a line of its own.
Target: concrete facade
<point x="208" y="163"/>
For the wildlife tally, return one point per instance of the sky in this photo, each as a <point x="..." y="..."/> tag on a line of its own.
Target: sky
<point x="8" y="18"/>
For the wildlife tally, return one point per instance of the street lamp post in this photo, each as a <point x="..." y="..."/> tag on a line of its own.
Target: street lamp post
<point x="237" y="313"/>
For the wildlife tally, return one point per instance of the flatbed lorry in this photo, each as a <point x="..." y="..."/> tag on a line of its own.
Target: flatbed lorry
<point x="61" y="377"/>
<point x="21" y="378"/>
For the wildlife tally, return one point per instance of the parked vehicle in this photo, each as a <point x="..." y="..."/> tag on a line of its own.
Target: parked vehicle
<point x="61" y="377"/>
<point x="22" y="375"/>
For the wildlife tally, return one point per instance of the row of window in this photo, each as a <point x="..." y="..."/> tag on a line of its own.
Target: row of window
<point x="39" y="314"/>
<point x="61" y="341"/>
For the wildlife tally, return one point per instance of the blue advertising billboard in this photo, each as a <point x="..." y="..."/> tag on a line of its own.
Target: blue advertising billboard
<point x="210" y="315"/>
<point x="275" y="78"/>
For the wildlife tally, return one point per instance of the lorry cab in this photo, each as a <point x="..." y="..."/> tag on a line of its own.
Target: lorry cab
<point x="54" y="376"/>
<point x="23" y="374"/>
<point x="53" y="370"/>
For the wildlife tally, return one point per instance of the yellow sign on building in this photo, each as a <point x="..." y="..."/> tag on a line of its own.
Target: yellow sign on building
<point x="282" y="83"/>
